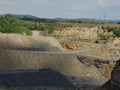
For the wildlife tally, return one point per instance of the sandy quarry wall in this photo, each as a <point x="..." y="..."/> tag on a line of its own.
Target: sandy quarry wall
<point x="67" y="64"/>
<point x="26" y="54"/>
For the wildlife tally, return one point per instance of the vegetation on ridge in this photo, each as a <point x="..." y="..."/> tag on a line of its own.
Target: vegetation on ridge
<point x="115" y="30"/>
<point x="10" y="24"/>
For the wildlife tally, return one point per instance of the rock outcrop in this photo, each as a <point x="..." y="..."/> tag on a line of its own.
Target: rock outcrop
<point x="114" y="82"/>
<point x="77" y="33"/>
<point x="103" y="66"/>
<point x="77" y="46"/>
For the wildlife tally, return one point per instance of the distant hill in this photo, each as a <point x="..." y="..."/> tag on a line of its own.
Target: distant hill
<point x="79" y="19"/>
<point x="59" y="19"/>
<point x="98" y="20"/>
<point x="21" y="16"/>
<point x="28" y="16"/>
<point x="88" y="19"/>
<point x="62" y="19"/>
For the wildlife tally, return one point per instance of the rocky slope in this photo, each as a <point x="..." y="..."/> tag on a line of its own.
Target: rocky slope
<point x="86" y="33"/>
<point x="97" y="33"/>
<point x="114" y="82"/>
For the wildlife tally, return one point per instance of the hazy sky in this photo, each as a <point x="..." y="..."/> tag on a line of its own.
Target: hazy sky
<point x="63" y="8"/>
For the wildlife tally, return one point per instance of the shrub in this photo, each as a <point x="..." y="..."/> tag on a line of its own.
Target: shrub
<point x="10" y="24"/>
<point x="96" y="41"/>
<point x="116" y="31"/>
<point x="104" y="37"/>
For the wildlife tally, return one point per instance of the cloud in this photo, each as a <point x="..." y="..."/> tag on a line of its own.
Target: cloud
<point x="4" y="1"/>
<point x="0" y="11"/>
<point x="108" y="3"/>
<point x="6" y="11"/>
<point x="102" y="3"/>
<point x="116" y="3"/>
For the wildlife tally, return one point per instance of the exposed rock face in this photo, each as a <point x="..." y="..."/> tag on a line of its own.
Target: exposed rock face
<point x="77" y="46"/>
<point x="114" y="82"/>
<point x="78" y="32"/>
<point x="81" y="33"/>
<point x="115" y="77"/>
<point x="104" y="67"/>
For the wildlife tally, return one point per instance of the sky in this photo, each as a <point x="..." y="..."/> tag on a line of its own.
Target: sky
<point x="63" y="8"/>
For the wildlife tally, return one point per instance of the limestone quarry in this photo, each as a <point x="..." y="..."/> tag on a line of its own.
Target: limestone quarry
<point x="81" y="61"/>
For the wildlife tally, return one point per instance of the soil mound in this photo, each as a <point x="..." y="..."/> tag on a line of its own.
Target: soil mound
<point x="35" y="42"/>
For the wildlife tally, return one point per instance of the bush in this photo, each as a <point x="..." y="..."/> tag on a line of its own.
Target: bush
<point x="116" y="31"/>
<point x="118" y="22"/>
<point x="10" y="24"/>
<point x="103" y="37"/>
<point x="96" y="41"/>
<point x="38" y="26"/>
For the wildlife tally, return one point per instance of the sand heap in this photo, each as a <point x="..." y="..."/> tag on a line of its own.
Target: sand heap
<point x="34" y="42"/>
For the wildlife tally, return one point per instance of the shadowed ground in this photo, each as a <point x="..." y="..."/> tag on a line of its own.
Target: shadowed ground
<point x="30" y="78"/>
